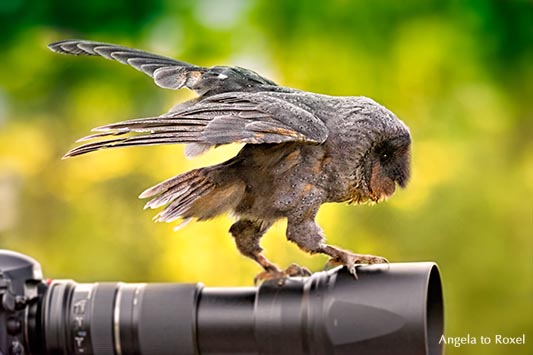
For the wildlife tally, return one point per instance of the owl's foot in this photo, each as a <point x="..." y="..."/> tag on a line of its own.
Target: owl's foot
<point x="292" y="270"/>
<point x="350" y="260"/>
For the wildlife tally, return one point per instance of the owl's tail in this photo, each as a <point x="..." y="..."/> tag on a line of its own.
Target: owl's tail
<point x="201" y="193"/>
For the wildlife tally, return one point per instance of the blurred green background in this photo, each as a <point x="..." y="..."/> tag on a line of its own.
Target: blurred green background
<point x="458" y="73"/>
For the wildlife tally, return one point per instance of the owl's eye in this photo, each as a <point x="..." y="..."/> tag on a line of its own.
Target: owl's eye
<point x="384" y="152"/>
<point x="384" y="157"/>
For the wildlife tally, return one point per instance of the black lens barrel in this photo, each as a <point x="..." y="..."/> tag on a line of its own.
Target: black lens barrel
<point x="118" y="318"/>
<point x="390" y="309"/>
<point x="157" y="319"/>
<point x="226" y="321"/>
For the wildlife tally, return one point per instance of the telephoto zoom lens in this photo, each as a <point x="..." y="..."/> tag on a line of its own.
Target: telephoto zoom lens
<point x="119" y="318"/>
<point x="390" y="309"/>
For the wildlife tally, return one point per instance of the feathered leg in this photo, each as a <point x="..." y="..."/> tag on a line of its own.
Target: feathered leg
<point x="247" y="234"/>
<point x="307" y="234"/>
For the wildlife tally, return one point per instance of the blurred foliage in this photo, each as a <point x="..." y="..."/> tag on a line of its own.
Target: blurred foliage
<point x="459" y="73"/>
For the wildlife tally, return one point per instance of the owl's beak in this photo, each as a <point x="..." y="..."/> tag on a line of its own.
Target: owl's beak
<point x="384" y="195"/>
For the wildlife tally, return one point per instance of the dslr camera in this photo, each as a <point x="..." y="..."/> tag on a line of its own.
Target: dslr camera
<point x="390" y="309"/>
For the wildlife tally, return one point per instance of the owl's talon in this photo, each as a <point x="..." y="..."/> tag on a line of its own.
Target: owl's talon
<point x="293" y="270"/>
<point x="351" y="260"/>
<point x="297" y="270"/>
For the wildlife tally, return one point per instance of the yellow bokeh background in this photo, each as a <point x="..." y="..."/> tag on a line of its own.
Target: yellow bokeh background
<point x="459" y="74"/>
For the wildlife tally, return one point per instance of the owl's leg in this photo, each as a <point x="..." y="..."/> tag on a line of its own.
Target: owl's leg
<point x="307" y="234"/>
<point x="309" y="237"/>
<point x="247" y="234"/>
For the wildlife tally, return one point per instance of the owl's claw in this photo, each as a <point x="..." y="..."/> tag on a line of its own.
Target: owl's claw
<point x="292" y="270"/>
<point x="351" y="260"/>
<point x="297" y="270"/>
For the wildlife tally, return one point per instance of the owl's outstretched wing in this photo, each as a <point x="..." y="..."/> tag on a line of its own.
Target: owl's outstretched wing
<point x="170" y="73"/>
<point x="236" y="105"/>
<point x="235" y="117"/>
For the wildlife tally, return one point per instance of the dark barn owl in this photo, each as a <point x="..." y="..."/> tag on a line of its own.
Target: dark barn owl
<point x="301" y="150"/>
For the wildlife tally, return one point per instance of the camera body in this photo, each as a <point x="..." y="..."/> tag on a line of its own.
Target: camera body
<point x="390" y="309"/>
<point x="21" y="288"/>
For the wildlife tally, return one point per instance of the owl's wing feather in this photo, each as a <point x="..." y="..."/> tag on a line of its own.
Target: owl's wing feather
<point x="169" y="73"/>
<point x="253" y="118"/>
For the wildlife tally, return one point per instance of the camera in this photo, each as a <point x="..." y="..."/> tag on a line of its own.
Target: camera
<point x="390" y="309"/>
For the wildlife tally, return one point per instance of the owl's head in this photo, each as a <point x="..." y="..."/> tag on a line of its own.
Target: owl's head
<point x="385" y="152"/>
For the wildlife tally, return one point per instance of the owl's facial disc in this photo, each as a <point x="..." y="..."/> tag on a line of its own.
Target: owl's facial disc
<point x="388" y="164"/>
